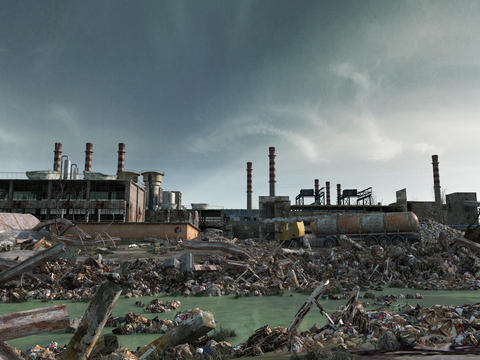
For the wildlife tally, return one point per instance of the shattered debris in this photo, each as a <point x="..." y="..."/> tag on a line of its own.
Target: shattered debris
<point x="442" y="260"/>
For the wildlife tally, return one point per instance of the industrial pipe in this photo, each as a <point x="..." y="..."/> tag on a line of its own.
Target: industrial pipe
<point x="317" y="191"/>
<point x="327" y="185"/>
<point x="339" y="194"/>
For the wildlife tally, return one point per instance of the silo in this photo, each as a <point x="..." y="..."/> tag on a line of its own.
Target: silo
<point x="152" y="180"/>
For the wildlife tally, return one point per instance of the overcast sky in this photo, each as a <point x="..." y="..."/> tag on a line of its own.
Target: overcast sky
<point x="358" y="93"/>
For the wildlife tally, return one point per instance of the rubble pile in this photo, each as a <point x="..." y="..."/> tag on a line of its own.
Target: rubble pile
<point x="428" y="264"/>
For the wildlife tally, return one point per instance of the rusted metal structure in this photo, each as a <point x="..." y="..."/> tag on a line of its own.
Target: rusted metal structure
<point x="31" y="263"/>
<point x="272" y="180"/>
<point x="93" y="321"/>
<point x="249" y="186"/>
<point x="31" y="322"/>
<point x="381" y="228"/>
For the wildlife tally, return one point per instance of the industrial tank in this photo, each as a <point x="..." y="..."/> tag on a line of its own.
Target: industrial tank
<point x="365" y="223"/>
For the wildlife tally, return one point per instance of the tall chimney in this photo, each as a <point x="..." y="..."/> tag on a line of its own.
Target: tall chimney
<point x="436" y="184"/>
<point x="121" y="158"/>
<point x="249" y="186"/>
<point x="88" y="157"/>
<point x="272" y="170"/>
<point x="57" y="158"/>
<point x="327" y="185"/>
<point x="339" y="194"/>
<point x="317" y="191"/>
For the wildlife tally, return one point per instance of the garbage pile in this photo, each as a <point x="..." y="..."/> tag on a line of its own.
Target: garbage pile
<point x="428" y="264"/>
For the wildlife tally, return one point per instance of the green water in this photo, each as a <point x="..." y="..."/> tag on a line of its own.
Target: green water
<point x="244" y="315"/>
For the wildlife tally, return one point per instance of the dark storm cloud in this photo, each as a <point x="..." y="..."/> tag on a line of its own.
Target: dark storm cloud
<point x="197" y="89"/>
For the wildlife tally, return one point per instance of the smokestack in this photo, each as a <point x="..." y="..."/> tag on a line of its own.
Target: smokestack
<point x="272" y="170"/>
<point x="327" y="185"/>
<point x="339" y="194"/>
<point x="121" y="158"/>
<point x="317" y="191"/>
<point x="249" y="186"/>
<point x="436" y="183"/>
<point x="57" y="158"/>
<point x="88" y="157"/>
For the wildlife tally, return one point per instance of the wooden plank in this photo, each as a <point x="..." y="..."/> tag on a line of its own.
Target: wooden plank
<point x="31" y="322"/>
<point x="7" y="352"/>
<point x="297" y="320"/>
<point x="187" y="331"/>
<point x="93" y="321"/>
<point x="32" y="262"/>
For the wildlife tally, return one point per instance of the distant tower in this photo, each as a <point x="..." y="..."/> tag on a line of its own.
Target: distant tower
<point x="121" y="158"/>
<point x="339" y="194"/>
<point x="327" y="185"/>
<point x="317" y="191"/>
<point x="88" y="157"/>
<point x="249" y="186"/>
<point x="272" y="170"/>
<point x="436" y="184"/>
<point x="57" y="158"/>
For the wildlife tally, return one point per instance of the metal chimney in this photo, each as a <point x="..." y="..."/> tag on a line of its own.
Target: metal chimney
<point x="272" y="170"/>
<point x="57" y="158"/>
<point x="88" y="157"/>
<point x="249" y="186"/>
<point x="121" y="158"/>
<point x="339" y="194"/>
<point x="317" y="191"/>
<point x="327" y="185"/>
<point x="436" y="183"/>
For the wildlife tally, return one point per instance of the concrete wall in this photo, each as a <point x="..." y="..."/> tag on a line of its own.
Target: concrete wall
<point x="135" y="196"/>
<point x="139" y="231"/>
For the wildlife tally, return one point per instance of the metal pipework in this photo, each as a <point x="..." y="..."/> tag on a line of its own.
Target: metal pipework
<point x="339" y="194"/>
<point x="88" y="157"/>
<point x="327" y="185"/>
<point x="317" y="191"/>
<point x="249" y="186"/>
<point x="65" y="168"/>
<point x="436" y="183"/>
<point x="121" y="158"/>
<point x="272" y="170"/>
<point x="57" y="158"/>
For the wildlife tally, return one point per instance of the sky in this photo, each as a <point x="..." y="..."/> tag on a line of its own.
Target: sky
<point x="358" y="93"/>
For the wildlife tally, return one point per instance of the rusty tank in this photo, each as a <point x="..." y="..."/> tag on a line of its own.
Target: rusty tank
<point x="374" y="228"/>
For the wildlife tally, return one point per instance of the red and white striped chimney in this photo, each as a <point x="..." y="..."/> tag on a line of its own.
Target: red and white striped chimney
<point x="57" y="158"/>
<point x="249" y="186"/>
<point x="88" y="157"/>
<point x="339" y="194"/>
<point x="121" y="158"/>
<point x="272" y="170"/>
<point x="317" y="191"/>
<point x="436" y="182"/>
<point x="327" y="186"/>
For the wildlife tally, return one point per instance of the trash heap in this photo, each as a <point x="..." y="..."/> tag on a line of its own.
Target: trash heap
<point x="428" y="264"/>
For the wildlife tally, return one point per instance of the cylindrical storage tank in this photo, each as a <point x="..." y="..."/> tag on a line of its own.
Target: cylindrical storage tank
<point x="152" y="180"/>
<point x="66" y="169"/>
<point x="365" y="223"/>
<point x="401" y="222"/>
